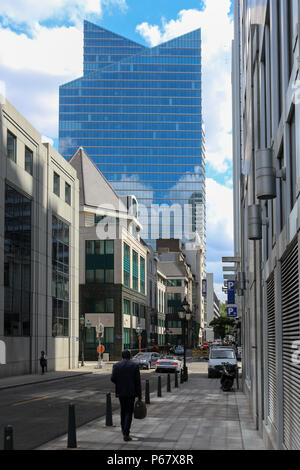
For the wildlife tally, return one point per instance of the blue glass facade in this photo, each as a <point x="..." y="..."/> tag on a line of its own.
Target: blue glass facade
<point x="137" y="112"/>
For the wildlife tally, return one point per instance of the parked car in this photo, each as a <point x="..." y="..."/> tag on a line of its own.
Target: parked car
<point x="146" y="360"/>
<point x="170" y="364"/>
<point x="179" y="350"/>
<point x="217" y="357"/>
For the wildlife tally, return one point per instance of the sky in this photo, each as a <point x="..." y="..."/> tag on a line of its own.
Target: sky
<point x="41" y="47"/>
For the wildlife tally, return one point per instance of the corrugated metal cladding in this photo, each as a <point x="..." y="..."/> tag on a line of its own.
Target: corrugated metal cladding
<point x="272" y="375"/>
<point x="291" y="334"/>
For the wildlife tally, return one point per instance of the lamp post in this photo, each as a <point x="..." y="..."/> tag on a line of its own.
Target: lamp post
<point x="139" y="330"/>
<point x="184" y="314"/>
<point x="82" y="324"/>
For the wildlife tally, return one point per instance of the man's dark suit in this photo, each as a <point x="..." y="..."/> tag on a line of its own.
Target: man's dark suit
<point x="126" y="377"/>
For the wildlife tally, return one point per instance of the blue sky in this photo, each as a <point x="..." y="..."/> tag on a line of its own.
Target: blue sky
<point x="41" y="48"/>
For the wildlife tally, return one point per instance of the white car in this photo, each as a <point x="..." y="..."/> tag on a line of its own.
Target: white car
<point x="169" y="364"/>
<point x="179" y="349"/>
<point x="217" y="357"/>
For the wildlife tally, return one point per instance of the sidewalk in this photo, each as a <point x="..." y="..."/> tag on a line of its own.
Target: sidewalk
<point x="197" y="415"/>
<point x="29" y="379"/>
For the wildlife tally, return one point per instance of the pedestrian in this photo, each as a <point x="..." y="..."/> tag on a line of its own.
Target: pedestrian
<point x="126" y="377"/>
<point x="43" y="361"/>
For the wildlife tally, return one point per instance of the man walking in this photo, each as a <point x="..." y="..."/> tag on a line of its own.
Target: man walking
<point x="126" y="377"/>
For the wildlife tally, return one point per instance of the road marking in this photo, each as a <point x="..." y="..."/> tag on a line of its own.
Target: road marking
<point x="29" y="401"/>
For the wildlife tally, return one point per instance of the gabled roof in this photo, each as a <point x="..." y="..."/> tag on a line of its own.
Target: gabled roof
<point x="95" y="190"/>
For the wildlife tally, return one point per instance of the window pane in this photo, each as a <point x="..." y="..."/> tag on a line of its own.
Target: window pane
<point x="89" y="277"/>
<point x="28" y="160"/>
<point x="109" y="247"/>
<point x="56" y="184"/>
<point x="99" y="275"/>
<point x="109" y="276"/>
<point x="68" y="193"/>
<point x="11" y="146"/>
<point x="109" y="305"/>
<point x="99" y="306"/>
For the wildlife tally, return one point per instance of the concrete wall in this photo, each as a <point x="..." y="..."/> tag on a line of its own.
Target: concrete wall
<point x="23" y="352"/>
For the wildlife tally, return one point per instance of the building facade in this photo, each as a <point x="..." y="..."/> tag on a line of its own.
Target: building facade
<point x="39" y="243"/>
<point x="266" y="130"/>
<point x="113" y="264"/>
<point x="179" y="286"/>
<point x="137" y="111"/>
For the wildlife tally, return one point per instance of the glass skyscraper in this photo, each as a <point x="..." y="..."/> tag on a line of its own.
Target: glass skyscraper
<point x="137" y="112"/>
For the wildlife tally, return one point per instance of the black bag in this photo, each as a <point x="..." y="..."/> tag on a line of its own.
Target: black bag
<point x="140" y="410"/>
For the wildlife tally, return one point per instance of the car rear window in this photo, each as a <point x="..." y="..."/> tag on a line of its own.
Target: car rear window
<point x="221" y="354"/>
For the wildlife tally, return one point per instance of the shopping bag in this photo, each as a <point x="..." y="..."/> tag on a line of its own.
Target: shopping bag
<point x="140" y="410"/>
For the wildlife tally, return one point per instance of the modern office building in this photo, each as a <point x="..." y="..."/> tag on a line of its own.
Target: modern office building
<point x="180" y="281"/>
<point x="266" y="145"/>
<point x="113" y="265"/>
<point x="137" y="111"/>
<point x="39" y="243"/>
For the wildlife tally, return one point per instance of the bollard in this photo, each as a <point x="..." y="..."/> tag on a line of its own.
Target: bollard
<point x="181" y="376"/>
<point x="147" y="393"/>
<point x="8" y="438"/>
<point x="176" y="379"/>
<point x="72" y="442"/>
<point x="159" y="387"/>
<point x="109" y="421"/>
<point x="169" y="383"/>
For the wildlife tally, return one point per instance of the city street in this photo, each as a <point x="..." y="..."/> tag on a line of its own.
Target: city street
<point x="39" y="412"/>
<point x="197" y="415"/>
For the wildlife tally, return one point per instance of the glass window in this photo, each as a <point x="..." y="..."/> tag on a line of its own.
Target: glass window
<point x="17" y="263"/>
<point x="56" y="184"/>
<point x="109" y="276"/>
<point x="109" y="247"/>
<point x="28" y="160"/>
<point x="126" y="307"/>
<point x="60" y="277"/>
<point x="100" y="306"/>
<point x="68" y="193"/>
<point x="126" y="265"/>
<point x="11" y="146"/>
<point x="99" y="275"/>
<point x="110" y="305"/>
<point x="135" y="272"/>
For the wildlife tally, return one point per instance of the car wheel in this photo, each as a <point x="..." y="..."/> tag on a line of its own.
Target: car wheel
<point x="209" y="375"/>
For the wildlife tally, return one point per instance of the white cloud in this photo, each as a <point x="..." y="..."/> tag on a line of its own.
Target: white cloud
<point x="33" y="11"/>
<point x="217" y="34"/>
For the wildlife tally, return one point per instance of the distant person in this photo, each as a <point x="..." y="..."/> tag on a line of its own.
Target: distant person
<point x="43" y="361"/>
<point x="126" y="376"/>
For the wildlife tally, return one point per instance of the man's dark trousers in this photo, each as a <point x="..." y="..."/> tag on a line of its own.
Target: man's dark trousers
<point x="127" y="407"/>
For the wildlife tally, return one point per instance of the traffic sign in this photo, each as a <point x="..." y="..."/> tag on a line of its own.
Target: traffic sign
<point x="230" y="292"/>
<point x="231" y="311"/>
<point x="102" y="349"/>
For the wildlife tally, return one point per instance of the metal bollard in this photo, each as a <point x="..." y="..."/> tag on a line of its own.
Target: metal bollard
<point x="147" y="393"/>
<point x="8" y="437"/>
<point x="176" y="379"/>
<point x="109" y="421"/>
<point x="169" y="383"/>
<point x="181" y="376"/>
<point x="72" y="441"/>
<point x="159" y="387"/>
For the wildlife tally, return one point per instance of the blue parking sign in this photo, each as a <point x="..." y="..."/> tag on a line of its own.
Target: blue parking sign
<point x="230" y="292"/>
<point x="232" y="311"/>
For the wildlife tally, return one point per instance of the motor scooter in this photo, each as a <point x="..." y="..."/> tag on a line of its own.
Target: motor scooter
<point x="228" y="376"/>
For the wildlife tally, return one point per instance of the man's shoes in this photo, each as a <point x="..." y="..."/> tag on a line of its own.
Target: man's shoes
<point x="127" y="438"/>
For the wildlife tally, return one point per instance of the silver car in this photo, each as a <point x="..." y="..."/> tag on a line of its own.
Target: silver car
<point x="146" y="360"/>
<point x="169" y="364"/>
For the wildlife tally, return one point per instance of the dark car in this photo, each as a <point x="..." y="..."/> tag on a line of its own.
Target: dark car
<point x="146" y="360"/>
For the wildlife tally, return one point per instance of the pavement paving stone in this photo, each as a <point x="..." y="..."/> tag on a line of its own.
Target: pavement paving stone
<point x="197" y="415"/>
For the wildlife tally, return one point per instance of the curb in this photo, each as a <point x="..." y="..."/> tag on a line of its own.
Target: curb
<point x="4" y="387"/>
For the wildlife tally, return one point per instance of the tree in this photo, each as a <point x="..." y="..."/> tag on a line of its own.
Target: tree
<point x="222" y="325"/>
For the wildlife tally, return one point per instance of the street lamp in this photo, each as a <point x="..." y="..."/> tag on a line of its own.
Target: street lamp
<point x="184" y="314"/>
<point x="82" y="324"/>
<point x="139" y="330"/>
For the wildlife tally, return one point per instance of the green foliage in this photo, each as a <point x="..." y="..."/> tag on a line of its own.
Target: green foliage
<point x="222" y="325"/>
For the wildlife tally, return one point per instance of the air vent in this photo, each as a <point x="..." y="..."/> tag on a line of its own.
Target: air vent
<point x="272" y="374"/>
<point x="290" y="334"/>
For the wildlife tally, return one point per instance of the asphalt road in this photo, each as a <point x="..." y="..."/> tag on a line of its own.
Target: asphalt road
<point x="39" y="412"/>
